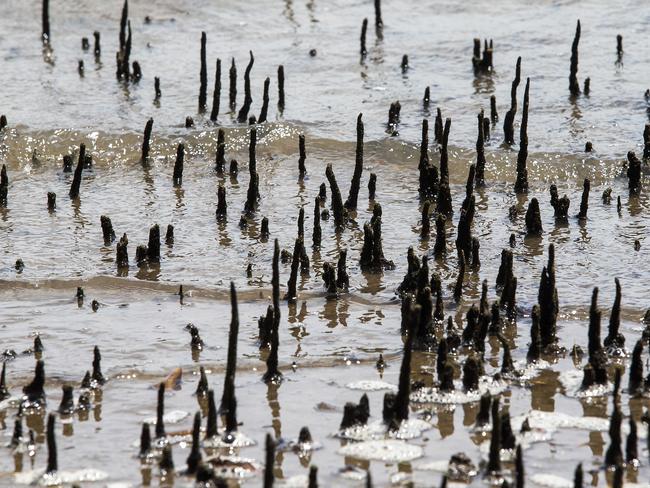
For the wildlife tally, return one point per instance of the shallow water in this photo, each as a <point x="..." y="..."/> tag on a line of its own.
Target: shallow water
<point x="325" y="344"/>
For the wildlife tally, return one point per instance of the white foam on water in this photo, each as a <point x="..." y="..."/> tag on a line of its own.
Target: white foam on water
<point x="552" y="421"/>
<point x="298" y="481"/>
<point x="409" y="429"/>
<point x="172" y="417"/>
<point x="552" y="481"/>
<point x="235" y="440"/>
<point x="388" y="451"/>
<point x="39" y="477"/>
<point x="371" y="385"/>
<point x="438" y="466"/>
<point x="572" y="381"/>
<point x="233" y="467"/>
<point x="458" y="396"/>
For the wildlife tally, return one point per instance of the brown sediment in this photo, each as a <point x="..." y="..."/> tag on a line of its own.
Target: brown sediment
<point x="203" y="76"/>
<point x="533" y="219"/>
<point x="494" y="115"/>
<point x="303" y="155"/>
<point x="393" y="118"/>
<point x="222" y="206"/>
<point x="146" y="140"/>
<point x="494" y="459"/>
<point x="574" y="86"/>
<point x="584" y="202"/>
<point x="404" y="65"/>
<point x="248" y="99"/>
<point x="122" y="257"/>
<point x="444" y="202"/>
<point x="480" y="152"/>
<point x="269" y="477"/>
<point x="548" y="302"/>
<point x="351" y="202"/>
<point x="220" y="165"/>
<point x="440" y="247"/>
<point x="426" y="224"/>
<point x="509" y="120"/>
<point x="216" y="94"/>
<point x="253" y="193"/>
<point x="232" y="95"/>
<point x="273" y="374"/>
<point x="76" y="181"/>
<point x="194" y="457"/>
<point x="364" y="28"/>
<point x="228" y="405"/>
<point x="458" y="287"/>
<point x="633" y="173"/>
<point x="340" y="214"/>
<point x="281" y="88"/>
<point x="178" y="165"/>
<point x="521" y="184"/>
<point x="560" y="205"/>
<point x="265" y="102"/>
<point x="156" y="87"/>
<point x="52" y="462"/>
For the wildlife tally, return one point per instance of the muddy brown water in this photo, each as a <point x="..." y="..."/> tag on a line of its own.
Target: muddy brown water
<point x="325" y="344"/>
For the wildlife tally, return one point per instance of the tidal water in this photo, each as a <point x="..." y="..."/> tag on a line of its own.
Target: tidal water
<point x="326" y="344"/>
